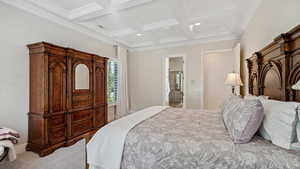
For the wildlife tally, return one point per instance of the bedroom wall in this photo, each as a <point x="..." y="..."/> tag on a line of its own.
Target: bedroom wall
<point x="146" y="73"/>
<point x="216" y="67"/>
<point x="17" y="29"/>
<point x="272" y="18"/>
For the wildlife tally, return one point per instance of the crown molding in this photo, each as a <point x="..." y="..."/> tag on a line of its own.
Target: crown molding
<point x="30" y="7"/>
<point x="186" y="43"/>
<point x="250" y="15"/>
<point x="217" y="51"/>
<point x="143" y="44"/>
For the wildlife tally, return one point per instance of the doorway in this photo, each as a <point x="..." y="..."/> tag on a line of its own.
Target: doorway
<point x="175" y="81"/>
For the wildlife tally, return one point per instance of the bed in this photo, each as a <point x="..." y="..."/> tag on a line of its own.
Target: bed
<point x="186" y="139"/>
<point x="189" y="139"/>
<point x="169" y="138"/>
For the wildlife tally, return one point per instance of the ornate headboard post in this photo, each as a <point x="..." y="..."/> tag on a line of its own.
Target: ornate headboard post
<point x="292" y="49"/>
<point x="275" y="68"/>
<point x="254" y="67"/>
<point x="250" y="72"/>
<point x="284" y="59"/>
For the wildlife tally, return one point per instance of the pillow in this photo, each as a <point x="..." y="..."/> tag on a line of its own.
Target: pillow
<point x="279" y="125"/>
<point x="242" y="119"/>
<point x="295" y="146"/>
<point x="227" y="105"/>
<point x="251" y="97"/>
<point x="298" y="128"/>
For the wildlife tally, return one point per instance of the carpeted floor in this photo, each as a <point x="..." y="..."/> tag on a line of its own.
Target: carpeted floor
<point x="72" y="157"/>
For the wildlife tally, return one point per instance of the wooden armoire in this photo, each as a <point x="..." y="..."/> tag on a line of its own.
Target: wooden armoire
<point x="62" y="111"/>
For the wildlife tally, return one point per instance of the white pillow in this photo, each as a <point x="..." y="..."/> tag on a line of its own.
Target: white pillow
<point x="252" y="97"/>
<point x="280" y="121"/>
<point x="295" y="146"/>
<point x="298" y="128"/>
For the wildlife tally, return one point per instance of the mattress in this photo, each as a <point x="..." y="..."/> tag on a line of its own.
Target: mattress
<point x="190" y="139"/>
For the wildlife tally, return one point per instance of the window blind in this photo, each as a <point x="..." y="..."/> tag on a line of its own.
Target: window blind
<point x="113" y="81"/>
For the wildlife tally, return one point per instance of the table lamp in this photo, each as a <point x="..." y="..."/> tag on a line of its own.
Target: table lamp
<point x="233" y="80"/>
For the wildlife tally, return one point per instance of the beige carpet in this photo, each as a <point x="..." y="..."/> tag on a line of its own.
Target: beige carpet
<point x="72" y="157"/>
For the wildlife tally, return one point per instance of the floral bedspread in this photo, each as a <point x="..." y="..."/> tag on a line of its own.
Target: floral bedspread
<point x="190" y="139"/>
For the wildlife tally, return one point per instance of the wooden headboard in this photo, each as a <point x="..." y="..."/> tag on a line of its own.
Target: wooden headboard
<point x="275" y="68"/>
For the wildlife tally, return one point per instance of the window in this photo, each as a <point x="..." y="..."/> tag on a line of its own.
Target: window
<point x="112" y="81"/>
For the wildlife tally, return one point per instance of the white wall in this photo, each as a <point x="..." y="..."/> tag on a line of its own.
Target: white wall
<point x="272" y="18"/>
<point x="216" y="67"/>
<point x="17" y="29"/>
<point x="146" y="73"/>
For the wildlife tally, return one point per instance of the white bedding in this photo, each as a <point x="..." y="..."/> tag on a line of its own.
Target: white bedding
<point x="11" y="153"/>
<point x="1" y="150"/>
<point x="105" y="149"/>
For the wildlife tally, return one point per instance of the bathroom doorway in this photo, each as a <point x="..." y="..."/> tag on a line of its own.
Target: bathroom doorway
<point x="175" y="86"/>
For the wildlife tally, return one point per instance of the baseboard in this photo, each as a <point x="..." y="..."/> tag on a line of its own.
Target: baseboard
<point x="20" y="148"/>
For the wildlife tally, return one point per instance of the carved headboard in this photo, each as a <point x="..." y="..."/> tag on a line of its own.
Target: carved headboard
<point x="275" y="68"/>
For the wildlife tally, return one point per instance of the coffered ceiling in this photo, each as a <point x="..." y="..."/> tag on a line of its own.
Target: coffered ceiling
<point x="148" y="23"/>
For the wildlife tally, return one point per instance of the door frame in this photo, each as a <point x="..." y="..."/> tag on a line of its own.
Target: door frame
<point x="165" y="73"/>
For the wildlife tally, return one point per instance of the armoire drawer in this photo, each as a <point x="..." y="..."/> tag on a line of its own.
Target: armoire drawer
<point x="81" y="127"/>
<point x="82" y="115"/>
<point x="57" y="134"/>
<point x="56" y="120"/>
<point x="79" y="101"/>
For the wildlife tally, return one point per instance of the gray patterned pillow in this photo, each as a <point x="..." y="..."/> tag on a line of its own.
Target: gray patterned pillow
<point x="242" y="118"/>
<point x="229" y="105"/>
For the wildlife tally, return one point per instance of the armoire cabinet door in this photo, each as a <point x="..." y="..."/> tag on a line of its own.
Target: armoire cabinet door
<point x="100" y="85"/>
<point x="57" y="101"/>
<point x="100" y="95"/>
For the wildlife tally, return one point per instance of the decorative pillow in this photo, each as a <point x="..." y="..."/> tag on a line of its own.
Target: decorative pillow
<point x="243" y="118"/>
<point x="280" y="122"/>
<point x="296" y="144"/>
<point x="227" y="105"/>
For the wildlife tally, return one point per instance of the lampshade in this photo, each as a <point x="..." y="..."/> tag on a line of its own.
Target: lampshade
<point x="233" y="79"/>
<point x="296" y="86"/>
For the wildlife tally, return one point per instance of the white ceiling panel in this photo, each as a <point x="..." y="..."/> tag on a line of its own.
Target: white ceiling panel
<point x="74" y="3"/>
<point x="145" y="23"/>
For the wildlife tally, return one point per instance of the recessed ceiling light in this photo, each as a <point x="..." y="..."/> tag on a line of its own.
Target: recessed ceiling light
<point x="101" y="26"/>
<point x="197" y="24"/>
<point x="139" y="34"/>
